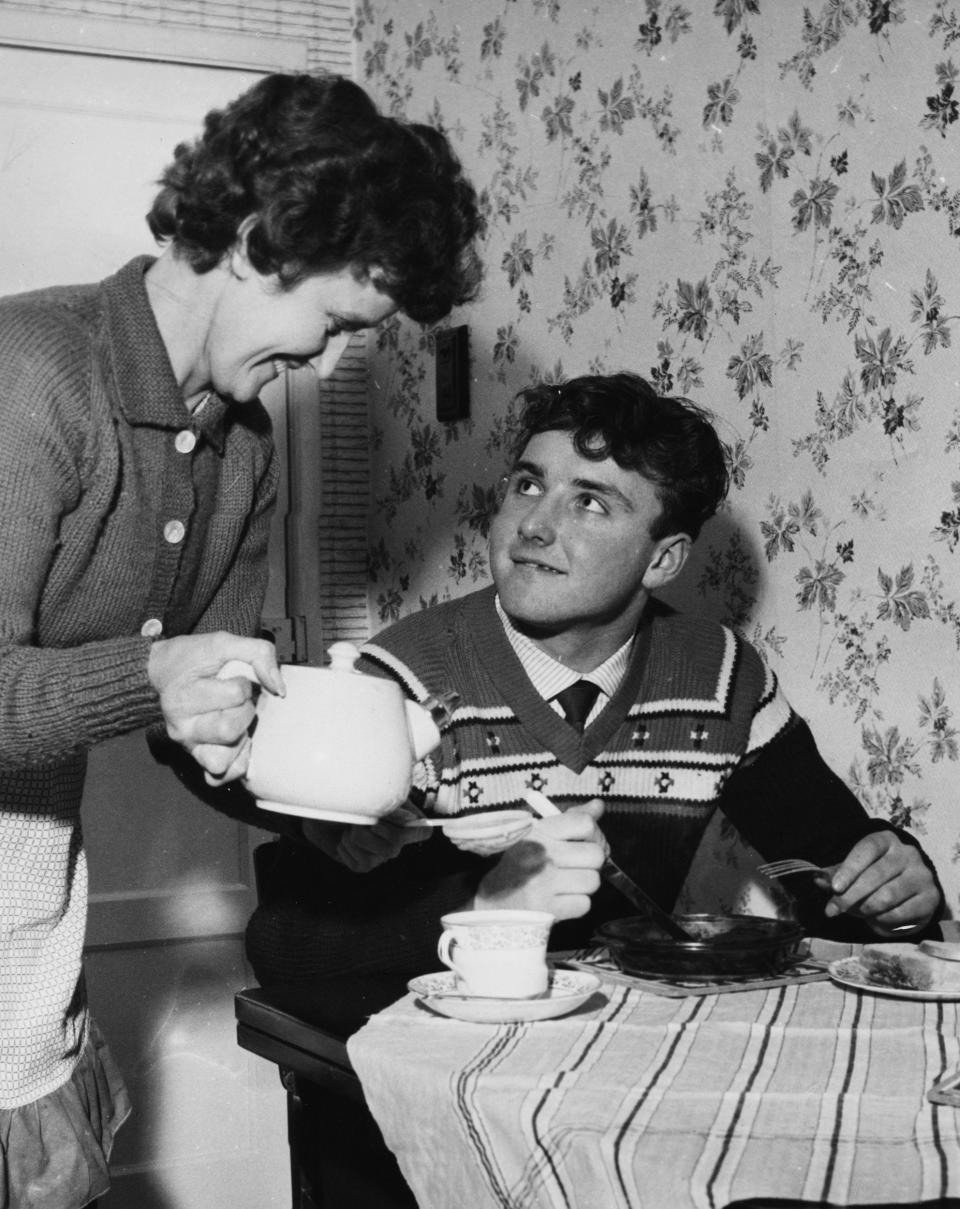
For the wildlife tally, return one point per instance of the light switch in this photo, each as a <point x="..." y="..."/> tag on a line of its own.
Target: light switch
<point x="453" y="373"/>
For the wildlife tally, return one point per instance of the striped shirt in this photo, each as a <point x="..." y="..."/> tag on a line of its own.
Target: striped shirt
<point x="549" y="676"/>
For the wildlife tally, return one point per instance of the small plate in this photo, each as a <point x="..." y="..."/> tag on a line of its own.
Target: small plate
<point x="318" y="816"/>
<point x="479" y="823"/>
<point x="490" y="832"/>
<point x="850" y="972"/>
<point x="568" y="990"/>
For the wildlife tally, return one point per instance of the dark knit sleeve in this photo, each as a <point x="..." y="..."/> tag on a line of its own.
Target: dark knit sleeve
<point x="317" y="919"/>
<point x="53" y="701"/>
<point x="787" y="802"/>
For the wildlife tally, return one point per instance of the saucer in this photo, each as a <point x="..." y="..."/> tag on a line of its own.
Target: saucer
<point x="498" y="828"/>
<point x="568" y="990"/>
<point x="319" y="816"/>
<point x="480" y="821"/>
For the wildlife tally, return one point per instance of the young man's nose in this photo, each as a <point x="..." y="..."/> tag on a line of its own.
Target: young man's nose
<point x="538" y="523"/>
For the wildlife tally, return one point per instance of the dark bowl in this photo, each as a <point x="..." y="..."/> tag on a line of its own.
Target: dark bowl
<point x="724" y="946"/>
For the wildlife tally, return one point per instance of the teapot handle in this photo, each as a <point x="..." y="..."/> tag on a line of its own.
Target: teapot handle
<point x="236" y="668"/>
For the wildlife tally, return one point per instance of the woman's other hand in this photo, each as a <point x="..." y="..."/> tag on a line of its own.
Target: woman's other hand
<point x="205" y="711"/>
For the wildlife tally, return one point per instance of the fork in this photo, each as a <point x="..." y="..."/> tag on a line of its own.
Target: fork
<point x="786" y="867"/>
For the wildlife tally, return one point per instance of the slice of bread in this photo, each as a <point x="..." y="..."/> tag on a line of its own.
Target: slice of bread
<point x="903" y="970"/>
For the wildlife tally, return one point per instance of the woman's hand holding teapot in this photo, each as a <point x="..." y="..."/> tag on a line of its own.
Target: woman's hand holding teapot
<point x="205" y="712"/>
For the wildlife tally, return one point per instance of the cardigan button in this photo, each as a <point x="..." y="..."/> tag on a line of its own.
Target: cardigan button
<point x="185" y="441"/>
<point x="152" y="627"/>
<point x="173" y="532"/>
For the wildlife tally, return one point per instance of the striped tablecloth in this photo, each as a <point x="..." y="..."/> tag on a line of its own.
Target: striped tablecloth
<point x="808" y="1091"/>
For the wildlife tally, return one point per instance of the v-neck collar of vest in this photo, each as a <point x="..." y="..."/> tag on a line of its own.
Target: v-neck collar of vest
<point x="536" y="715"/>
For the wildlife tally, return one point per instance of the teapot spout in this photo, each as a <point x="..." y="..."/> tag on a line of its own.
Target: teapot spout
<point x="425" y="722"/>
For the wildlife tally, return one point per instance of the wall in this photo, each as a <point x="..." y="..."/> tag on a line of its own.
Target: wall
<point x="323" y="26"/>
<point x="756" y="204"/>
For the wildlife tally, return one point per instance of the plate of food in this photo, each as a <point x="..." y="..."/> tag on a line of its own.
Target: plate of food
<point x="902" y="970"/>
<point x="568" y="990"/>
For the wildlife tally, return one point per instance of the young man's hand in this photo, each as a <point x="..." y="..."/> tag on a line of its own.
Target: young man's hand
<point x="361" y="847"/>
<point x="884" y="882"/>
<point x="555" y="867"/>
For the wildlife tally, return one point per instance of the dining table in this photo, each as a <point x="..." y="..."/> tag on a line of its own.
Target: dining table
<point x="662" y="1096"/>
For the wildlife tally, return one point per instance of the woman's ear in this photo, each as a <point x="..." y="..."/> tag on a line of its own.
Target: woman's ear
<point x="667" y="560"/>
<point x="240" y="264"/>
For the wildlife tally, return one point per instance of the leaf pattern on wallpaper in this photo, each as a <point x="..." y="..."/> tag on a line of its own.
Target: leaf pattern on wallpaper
<point x="669" y="24"/>
<point x="897" y="197"/>
<point x="756" y="205"/>
<point x="902" y="603"/>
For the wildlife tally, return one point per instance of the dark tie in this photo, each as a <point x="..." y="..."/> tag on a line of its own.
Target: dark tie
<point x="577" y="702"/>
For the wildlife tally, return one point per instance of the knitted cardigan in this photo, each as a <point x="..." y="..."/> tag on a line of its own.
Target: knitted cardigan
<point x="98" y="456"/>
<point x="698" y="724"/>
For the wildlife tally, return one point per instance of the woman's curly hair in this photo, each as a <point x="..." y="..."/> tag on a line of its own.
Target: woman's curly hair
<point x="328" y="183"/>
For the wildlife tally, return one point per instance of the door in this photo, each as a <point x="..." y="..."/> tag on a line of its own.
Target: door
<point x="83" y="138"/>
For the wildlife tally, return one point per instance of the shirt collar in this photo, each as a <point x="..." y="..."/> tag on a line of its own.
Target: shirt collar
<point x="147" y="389"/>
<point x="549" y="677"/>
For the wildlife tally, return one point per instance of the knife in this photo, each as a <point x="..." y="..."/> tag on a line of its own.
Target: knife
<point x="614" y="876"/>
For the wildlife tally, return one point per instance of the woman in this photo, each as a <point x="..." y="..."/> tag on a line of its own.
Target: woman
<point x="137" y="477"/>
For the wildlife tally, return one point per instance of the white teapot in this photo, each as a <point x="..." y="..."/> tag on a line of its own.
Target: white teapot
<point x="340" y="746"/>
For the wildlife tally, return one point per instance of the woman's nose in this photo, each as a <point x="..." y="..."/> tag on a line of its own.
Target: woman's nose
<point x="324" y="362"/>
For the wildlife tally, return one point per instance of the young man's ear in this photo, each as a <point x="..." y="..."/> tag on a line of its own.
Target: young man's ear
<point x="667" y="561"/>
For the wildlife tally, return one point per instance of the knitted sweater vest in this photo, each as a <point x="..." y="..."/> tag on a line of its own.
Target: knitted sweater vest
<point x="695" y="704"/>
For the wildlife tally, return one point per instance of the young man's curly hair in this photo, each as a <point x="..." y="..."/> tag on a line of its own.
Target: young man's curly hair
<point x="327" y="183"/>
<point x="671" y="442"/>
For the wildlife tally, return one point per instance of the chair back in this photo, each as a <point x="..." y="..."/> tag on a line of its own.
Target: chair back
<point x="265" y="859"/>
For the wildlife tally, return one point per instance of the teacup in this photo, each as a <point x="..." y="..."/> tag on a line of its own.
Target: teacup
<point x="497" y="954"/>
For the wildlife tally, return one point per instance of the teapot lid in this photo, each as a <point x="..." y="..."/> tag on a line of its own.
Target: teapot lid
<point x="343" y="655"/>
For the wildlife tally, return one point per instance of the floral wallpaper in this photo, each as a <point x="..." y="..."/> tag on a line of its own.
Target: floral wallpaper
<point x="754" y="203"/>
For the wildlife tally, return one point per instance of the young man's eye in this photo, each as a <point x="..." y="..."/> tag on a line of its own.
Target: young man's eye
<point x="591" y="503"/>
<point x="521" y="484"/>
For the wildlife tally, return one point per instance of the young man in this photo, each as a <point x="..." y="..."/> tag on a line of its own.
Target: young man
<point x="610" y="487"/>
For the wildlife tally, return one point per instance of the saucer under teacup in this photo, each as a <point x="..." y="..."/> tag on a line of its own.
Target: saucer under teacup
<point x="567" y="991"/>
